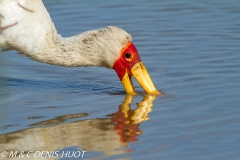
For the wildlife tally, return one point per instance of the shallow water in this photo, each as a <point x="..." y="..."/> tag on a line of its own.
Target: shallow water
<point x="191" y="50"/>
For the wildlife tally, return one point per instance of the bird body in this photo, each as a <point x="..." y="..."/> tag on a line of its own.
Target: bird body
<point x="25" y="25"/>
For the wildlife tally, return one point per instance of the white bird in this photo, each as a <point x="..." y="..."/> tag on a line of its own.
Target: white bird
<point x="26" y="26"/>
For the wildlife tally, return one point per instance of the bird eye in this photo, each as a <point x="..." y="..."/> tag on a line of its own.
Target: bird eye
<point x="128" y="56"/>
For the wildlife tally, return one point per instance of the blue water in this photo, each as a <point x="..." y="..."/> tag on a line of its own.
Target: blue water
<point x="191" y="50"/>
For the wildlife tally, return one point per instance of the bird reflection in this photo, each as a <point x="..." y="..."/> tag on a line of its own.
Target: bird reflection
<point x="127" y="121"/>
<point x="105" y="135"/>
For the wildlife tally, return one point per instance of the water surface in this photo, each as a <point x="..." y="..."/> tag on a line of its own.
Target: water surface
<point x="191" y="50"/>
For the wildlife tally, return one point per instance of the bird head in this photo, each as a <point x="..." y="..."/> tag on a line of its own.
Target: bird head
<point x="129" y="64"/>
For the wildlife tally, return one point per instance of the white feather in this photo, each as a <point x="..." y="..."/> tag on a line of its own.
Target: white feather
<point x="26" y="26"/>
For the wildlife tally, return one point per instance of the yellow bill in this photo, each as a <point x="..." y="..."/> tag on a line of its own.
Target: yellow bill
<point x="141" y="75"/>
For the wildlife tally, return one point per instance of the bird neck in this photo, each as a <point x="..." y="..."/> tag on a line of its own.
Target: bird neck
<point x="70" y="51"/>
<point x="33" y="33"/>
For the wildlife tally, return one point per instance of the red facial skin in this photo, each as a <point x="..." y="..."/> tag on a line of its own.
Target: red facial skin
<point x="127" y="132"/>
<point x="124" y="64"/>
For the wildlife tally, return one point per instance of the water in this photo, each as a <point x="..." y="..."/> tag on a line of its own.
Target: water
<point x="191" y="50"/>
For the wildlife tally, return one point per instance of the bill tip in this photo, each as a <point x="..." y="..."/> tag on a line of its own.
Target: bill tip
<point x="155" y="92"/>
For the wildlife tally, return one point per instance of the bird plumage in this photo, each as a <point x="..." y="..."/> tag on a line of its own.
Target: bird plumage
<point x="27" y="27"/>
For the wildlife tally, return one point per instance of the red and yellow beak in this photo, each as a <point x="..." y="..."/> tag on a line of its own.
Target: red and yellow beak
<point x="129" y="64"/>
